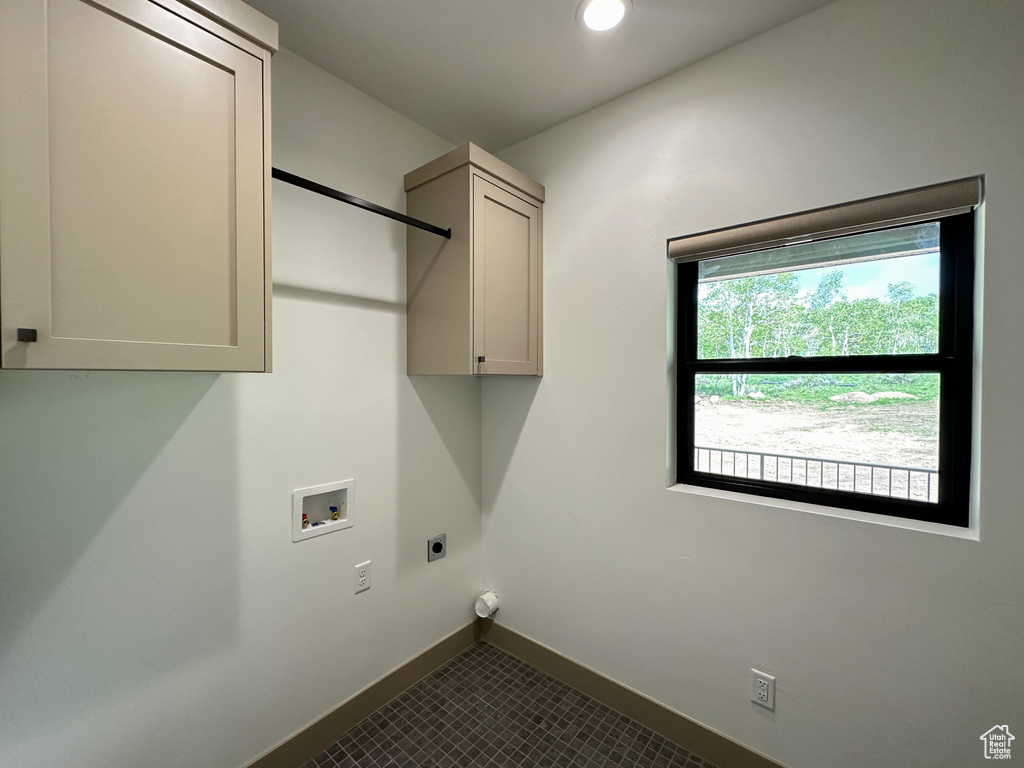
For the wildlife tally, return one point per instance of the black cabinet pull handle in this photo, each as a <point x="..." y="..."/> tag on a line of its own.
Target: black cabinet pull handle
<point x="27" y="335"/>
<point x="480" y="359"/>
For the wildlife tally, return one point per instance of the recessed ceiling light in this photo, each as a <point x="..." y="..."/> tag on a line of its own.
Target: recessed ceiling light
<point x="602" y="15"/>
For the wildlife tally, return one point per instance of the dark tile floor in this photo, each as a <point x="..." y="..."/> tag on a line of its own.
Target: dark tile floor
<point x="487" y="708"/>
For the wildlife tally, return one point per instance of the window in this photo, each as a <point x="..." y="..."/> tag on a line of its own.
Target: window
<point x="826" y="357"/>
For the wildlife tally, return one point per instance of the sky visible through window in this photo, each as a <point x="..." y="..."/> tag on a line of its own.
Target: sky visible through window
<point x="871" y="279"/>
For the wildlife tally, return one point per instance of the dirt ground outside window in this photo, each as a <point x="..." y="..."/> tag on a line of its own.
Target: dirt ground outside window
<point x="902" y="433"/>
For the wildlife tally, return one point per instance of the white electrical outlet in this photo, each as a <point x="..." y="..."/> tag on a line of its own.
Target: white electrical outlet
<point x="362" y="577"/>
<point x="763" y="690"/>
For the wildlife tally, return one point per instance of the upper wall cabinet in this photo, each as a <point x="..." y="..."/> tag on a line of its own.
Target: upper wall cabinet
<point x="134" y="185"/>
<point x="474" y="302"/>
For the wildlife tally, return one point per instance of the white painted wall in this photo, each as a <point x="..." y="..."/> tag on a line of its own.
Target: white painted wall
<point x="891" y="647"/>
<point x="153" y="608"/>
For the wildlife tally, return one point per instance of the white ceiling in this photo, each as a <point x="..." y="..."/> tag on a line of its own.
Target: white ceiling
<point x="496" y="72"/>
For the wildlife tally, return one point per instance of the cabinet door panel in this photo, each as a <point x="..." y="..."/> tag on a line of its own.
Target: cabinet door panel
<point x="506" y="270"/>
<point x="144" y="248"/>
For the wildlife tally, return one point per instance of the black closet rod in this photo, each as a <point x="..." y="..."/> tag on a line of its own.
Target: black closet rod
<point x="358" y="202"/>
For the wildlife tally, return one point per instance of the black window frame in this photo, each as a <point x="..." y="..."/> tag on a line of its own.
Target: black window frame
<point x="954" y="362"/>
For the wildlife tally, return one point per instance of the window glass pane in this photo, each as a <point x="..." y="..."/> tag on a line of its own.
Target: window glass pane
<point x="866" y="433"/>
<point x="875" y="293"/>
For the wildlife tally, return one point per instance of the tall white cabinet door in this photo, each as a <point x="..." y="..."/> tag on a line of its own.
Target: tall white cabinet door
<point x="132" y="173"/>
<point x="506" y="282"/>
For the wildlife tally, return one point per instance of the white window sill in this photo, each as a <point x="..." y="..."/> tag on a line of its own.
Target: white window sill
<point x="970" y="533"/>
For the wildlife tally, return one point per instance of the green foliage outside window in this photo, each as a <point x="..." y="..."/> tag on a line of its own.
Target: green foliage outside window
<point x="767" y="316"/>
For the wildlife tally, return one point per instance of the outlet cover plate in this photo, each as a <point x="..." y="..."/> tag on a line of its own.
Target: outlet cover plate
<point x="762" y="689"/>
<point x="362" y="577"/>
<point x="437" y="548"/>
